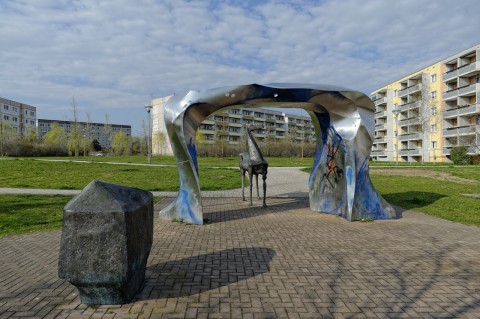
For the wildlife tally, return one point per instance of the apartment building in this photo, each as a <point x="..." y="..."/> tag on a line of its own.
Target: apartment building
<point x="228" y="125"/>
<point x="16" y="119"/>
<point x="101" y="132"/>
<point x="422" y="116"/>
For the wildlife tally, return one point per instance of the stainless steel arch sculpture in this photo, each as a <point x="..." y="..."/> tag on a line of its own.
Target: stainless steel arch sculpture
<point x="339" y="182"/>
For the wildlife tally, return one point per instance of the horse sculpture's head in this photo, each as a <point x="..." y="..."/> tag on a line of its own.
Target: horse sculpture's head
<point x="252" y="127"/>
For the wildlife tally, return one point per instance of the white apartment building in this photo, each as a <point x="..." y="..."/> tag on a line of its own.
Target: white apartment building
<point x="16" y="119"/>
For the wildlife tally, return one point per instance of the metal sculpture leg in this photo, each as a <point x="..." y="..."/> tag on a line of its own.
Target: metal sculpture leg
<point x="250" y="175"/>
<point x="242" y="172"/>
<point x="258" y="192"/>
<point x="264" y="177"/>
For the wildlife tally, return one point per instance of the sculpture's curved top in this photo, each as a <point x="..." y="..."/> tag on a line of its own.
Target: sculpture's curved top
<point x="344" y="126"/>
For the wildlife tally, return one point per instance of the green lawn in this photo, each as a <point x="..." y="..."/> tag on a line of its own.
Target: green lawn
<point x="443" y="199"/>
<point x="31" y="173"/>
<point x="27" y="213"/>
<point x="202" y="161"/>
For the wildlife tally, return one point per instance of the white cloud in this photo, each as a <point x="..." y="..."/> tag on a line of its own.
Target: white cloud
<point x="113" y="55"/>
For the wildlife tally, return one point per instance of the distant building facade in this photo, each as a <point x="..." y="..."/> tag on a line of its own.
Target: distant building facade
<point x="16" y="119"/>
<point x="228" y="126"/>
<point x="101" y="132"/>
<point x="423" y="115"/>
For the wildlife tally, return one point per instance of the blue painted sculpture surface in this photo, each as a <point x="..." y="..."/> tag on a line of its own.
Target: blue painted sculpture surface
<point x="339" y="182"/>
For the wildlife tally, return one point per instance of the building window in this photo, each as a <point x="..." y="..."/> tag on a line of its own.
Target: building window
<point x="32" y="113"/>
<point x="434" y="145"/>
<point x="434" y="110"/>
<point x="433" y="94"/>
<point x="434" y="78"/>
<point x="6" y="118"/>
<point x="433" y="128"/>
<point x="14" y="119"/>
<point x="5" y="107"/>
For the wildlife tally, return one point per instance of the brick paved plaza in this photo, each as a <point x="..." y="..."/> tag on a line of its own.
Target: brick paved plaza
<point x="284" y="261"/>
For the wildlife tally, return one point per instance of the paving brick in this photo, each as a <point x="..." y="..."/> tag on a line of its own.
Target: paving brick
<point x="284" y="261"/>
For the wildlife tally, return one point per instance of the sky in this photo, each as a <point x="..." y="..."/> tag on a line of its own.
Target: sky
<point x="113" y="57"/>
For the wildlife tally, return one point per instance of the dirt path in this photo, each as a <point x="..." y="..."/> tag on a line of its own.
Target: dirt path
<point x="443" y="176"/>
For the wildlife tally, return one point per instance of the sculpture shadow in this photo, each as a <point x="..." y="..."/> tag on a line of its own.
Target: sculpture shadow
<point x="412" y="200"/>
<point x="196" y="274"/>
<point x="217" y="214"/>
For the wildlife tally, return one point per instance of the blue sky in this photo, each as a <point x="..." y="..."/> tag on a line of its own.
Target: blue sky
<point x="113" y="56"/>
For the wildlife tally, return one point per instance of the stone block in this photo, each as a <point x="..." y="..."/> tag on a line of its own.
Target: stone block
<point x="106" y="239"/>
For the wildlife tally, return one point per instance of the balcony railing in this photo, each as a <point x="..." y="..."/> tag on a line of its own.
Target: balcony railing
<point x="409" y="106"/>
<point x="468" y="69"/>
<point x="449" y="75"/>
<point x="409" y="137"/>
<point x="410" y="121"/>
<point x="468" y="89"/>
<point x="380" y="140"/>
<point x="462" y="110"/>
<point x="381" y="100"/>
<point x="380" y="127"/>
<point x="380" y="114"/>
<point x="410" y="152"/>
<point x="461" y="130"/>
<point x="463" y="90"/>
<point x="378" y="153"/>
<point x="410" y="90"/>
<point x="450" y="94"/>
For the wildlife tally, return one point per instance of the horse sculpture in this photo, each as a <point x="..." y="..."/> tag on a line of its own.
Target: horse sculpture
<point x="253" y="162"/>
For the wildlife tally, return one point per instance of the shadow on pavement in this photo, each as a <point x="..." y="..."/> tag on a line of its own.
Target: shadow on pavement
<point x="218" y="213"/>
<point x="193" y="275"/>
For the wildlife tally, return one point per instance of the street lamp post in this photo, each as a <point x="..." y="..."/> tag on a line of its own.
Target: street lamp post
<point x="396" y="112"/>
<point x="149" y="148"/>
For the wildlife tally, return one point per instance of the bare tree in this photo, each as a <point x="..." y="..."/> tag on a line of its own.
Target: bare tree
<point x="87" y="135"/>
<point x="428" y="115"/>
<point x="160" y="143"/>
<point x="5" y="134"/>
<point x="221" y="133"/>
<point x="75" y="135"/>
<point x="107" y="132"/>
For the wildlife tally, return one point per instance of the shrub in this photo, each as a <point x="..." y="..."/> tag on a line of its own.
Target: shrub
<point x="24" y="148"/>
<point x="459" y="156"/>
<point x="475" y="159"/>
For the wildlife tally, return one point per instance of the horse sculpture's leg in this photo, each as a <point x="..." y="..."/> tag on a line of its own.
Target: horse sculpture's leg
<point x="242" y="172"/>
<point x="264" y="177"/>
<point x="250" y="174"/>
<point x="258" y="192"/>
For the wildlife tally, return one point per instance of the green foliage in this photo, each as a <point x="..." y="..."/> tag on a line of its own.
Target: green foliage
<point x="27" y="213"/>
<point x="366" y="220"/>
<point x="55" y="137"/>
<point x="121" y="144"/>
<point x="459" y="155"/>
